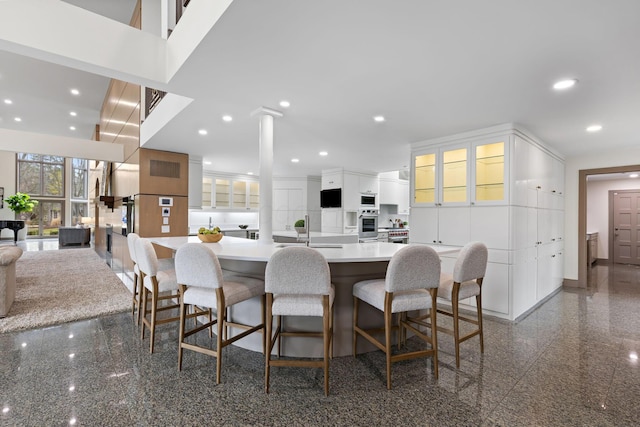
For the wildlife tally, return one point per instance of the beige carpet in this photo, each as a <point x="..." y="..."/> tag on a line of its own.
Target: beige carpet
<point x="62" y="286"/>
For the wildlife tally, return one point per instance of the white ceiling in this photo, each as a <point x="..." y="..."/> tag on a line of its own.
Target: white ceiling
<point x="432" y="68"/>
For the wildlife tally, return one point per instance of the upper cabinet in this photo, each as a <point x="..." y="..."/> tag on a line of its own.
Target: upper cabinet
<point x="461" y="174"/>
<point x="230" y="193"/>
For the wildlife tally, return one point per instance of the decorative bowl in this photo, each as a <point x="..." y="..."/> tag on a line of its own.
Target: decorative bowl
<point x="243" y="227"/>
<point x="210" y="238"/>
<point x="301" y="230"/>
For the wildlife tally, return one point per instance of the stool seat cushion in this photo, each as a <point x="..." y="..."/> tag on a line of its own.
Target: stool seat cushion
<point x="236" y="289"/>
<point x="467" y="289"/>
<point x="373" y="292"/>
<point x="300" y="305"/>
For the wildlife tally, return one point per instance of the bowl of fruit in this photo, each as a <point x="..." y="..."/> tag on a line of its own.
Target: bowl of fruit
<point x="209" y="236"/>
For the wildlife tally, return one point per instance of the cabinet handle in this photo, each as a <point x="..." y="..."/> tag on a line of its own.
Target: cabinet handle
<point x="473" y="203"/>
<point x="553" y="191"/>
<point x="553" y="240"/>
<point x="435" y="241"/>
<point x="553" y="256"/>
<point x="538" y="187"/>
<point x="439" y="241"/>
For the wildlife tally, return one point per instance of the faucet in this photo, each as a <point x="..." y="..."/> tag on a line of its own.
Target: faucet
<point x="306" y="222"/>
<point x="210" y="223"/>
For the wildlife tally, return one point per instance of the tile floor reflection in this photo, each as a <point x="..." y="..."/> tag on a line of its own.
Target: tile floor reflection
<point x="572" y="362"/>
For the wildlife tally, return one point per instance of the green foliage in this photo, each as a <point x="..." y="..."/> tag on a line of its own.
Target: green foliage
<point x="21" y="202"/>
<point x="299" y="223"/>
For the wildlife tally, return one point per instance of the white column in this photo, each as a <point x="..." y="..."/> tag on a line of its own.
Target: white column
<point x="266" y="172"/>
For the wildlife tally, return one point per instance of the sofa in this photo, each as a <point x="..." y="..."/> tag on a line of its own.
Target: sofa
<point x="8" y="257"/>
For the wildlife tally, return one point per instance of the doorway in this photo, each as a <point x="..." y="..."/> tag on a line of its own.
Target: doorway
<point x="46" y="219"/>
<point x="624" y="211"/>
<point x="582" y="214"/>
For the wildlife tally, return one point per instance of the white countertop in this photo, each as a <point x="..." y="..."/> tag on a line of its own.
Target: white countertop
<point x="294" y="234"/>
<point x="253" y="250"/>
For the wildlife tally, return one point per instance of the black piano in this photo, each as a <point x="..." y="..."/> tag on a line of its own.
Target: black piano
<point x="14" y="225"/>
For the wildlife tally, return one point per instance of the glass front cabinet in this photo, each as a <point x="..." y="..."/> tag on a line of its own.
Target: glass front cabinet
<point x="228" y="193"/>
<point x="463" y="174"/>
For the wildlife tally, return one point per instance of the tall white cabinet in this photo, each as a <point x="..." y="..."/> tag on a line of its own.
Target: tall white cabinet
<point x="503" y="187"/>
<point x="353" y="184"/>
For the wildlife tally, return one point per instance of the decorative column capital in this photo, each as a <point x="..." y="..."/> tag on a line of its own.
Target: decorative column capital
<point x="262" y="111"/>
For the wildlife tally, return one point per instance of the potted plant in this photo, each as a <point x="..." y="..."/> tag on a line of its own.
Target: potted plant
<point x="21" y="203"/>
<point x="300" y="227"/>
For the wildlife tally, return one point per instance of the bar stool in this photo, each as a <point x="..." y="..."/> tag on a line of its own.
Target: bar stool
<point x="202" y="285"/>
<point x="157" y="282"/>
<point x="298" y="283"/>
<point x="410" y="284"/>
<point x="163" y="264"/>
<point x="465" y="282"/>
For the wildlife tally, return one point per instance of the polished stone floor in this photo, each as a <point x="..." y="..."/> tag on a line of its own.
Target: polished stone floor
<point x="572" y="362"/>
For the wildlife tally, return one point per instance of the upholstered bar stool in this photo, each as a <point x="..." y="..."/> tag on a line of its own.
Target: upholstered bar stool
<point x="410" y="284"/>
<point x="161" y="284"/>
<point x="465" y="282"/>
<point x="163" y="264"/>
<point x="202" y="285"/>
<point x="298" y="283"/>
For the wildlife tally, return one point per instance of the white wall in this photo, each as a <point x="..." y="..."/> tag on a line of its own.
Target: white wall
<point x="598" y="208"/>
<point x="8" y="181"/>
<point x="622" y="157"/>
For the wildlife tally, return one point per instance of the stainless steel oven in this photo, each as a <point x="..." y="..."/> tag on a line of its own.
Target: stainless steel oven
<point x="367" y="223"/>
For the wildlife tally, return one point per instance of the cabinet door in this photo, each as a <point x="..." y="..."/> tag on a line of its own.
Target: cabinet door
<point x="368" y="184"/>
<point x="331" y="180"/>
<point x="490" y="181"/>
<point x="223" y="193"/>
<point x="453" y="226"/>
<point x="207" y="186"/>
<point x="254" y="195"/>
<point x="455" y="172"/>
<point x="424" y="179"/>
<point x="239" y="194"/>
<point x="424" y="225"/>
<point x="388" y="192"/>
<point x="403" y="196"/>
<point x="487" y="225"/>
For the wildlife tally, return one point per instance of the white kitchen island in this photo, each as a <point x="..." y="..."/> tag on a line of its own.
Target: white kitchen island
<point x="349" y="263"/>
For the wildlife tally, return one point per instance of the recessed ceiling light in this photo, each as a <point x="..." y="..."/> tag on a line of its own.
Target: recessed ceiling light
<point x="249" y="173"/>
<point x="378" y="119"/>
<point x="323" y="153"/>
<point x="73" y="113"/>
<point x="594" y="128"/>
<point x="633" y="175"/>
<point x="17" y="119"/>
<point x="227" y="118"/>
<point x="206" y="162"/>
<point x="202" y="131"/>
<point x="295" y="160"/>
<point x="564" y="84"/>
<point x="72" y="128"/>
<point x="75" y="92"/>
<point x="285" y="104"/>
<point x="8" y="101"/>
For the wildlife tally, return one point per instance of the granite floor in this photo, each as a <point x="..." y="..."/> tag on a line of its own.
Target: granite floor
<point x="572" y="362"/>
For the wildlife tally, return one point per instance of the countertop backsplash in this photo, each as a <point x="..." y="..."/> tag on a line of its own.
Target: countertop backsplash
<point x="224" y="220"/>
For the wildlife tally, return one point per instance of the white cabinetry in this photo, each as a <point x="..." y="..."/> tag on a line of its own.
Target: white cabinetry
<point x="403" y="196"/>
<point x="288" y="207"/>
<point x="504" y="188"/>
<point x="331" y="180"/>
<point x="233" y="193"/>
<point x="342" y="220"/>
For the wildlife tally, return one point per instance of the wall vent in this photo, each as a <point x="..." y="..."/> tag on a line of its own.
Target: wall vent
<point x="164" y="169"/>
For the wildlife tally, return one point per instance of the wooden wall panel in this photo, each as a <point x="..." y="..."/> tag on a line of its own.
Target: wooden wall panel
<point x="159" y="184"/>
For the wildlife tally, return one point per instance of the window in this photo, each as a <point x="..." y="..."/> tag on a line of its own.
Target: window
<point x="41" y="175"/>
<point x="79" y="175"/>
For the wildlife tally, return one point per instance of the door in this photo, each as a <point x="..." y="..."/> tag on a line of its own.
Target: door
<point x="45" y="219"/>
<point x="626" y="209"/>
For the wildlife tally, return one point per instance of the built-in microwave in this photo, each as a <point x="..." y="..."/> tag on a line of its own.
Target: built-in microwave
<point x="367" y="200"/>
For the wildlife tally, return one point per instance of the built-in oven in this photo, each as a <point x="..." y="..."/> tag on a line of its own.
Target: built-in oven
<point x="368" y="223"/>
<point x="367" y="200"/>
